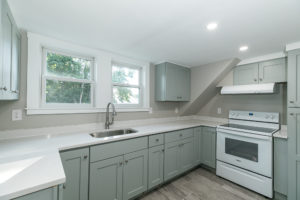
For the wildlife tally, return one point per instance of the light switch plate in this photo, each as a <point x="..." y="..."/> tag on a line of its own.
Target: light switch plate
<point x="16" y="115"/>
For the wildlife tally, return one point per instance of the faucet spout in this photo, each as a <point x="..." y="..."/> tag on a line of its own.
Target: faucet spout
<point x="114" y="113"/>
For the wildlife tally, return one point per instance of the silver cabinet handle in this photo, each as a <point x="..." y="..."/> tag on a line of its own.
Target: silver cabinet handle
<point x="260" y="79"/>
<point x="180" y="135"/>
<point x="292" y="114"/>
<point x="157" y="140"/>
<point x="15" y="91"/>
<point x="255" y="79"/>
<point x="64" y="186"/>
<point x="162" y="150"/>
<point x="291" y="101"/>
<point x="121" y="163"/>
<point x="85" y="157"/>
<point x="126" y="161"/>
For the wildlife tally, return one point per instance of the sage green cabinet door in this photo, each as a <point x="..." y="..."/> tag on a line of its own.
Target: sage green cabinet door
<point x="273" y="71"/>
<point x="294" y="78"/>
<point x="76" y="166"/>
<point x="10" y="49"/>
<point x="172" y="160"/>
<point x="245" y="74"/>
<point x="294" y="153"/>
<point x="47" y="194"/>
<point x="172" y="82"/>
<point x="197" y="145"/>
<point x="156" y="166"/>
<point x="186" y="154"/>
<point x="135" y="174"/>
<point x="280" y="165"/>
<point x="208" y="146"/>
<point x="106" y="179"/>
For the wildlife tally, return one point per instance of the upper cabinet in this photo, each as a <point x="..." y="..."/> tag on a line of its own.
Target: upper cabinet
<point x="10" y="45"/>
<point x="172" y="82"/>
<point x="293" y="78"/>
<point x="272" y="71"/>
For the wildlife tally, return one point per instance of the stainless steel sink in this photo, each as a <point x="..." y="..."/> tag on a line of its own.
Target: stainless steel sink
<point x="110" y="133"/>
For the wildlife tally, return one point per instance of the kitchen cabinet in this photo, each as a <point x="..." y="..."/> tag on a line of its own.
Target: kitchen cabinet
<point x="293" y="153"/>
<point x="172" y="82"/>
<point x="76" y="167"/>
<point x="197" y="145"/>
<point x="156" y="166"/>
<point x="10" y="45"/>
<point x="272" y="71"/>
<point x="46" y="194"/>
<point x="294" y="78"/>
<point x="179" y="155"/>
<point x="208" y="146"/>
<point x="280" y="166"/>
<point x="106" y="179"/>
<point x="135" y="174"/>
<point x="119" y="170"/>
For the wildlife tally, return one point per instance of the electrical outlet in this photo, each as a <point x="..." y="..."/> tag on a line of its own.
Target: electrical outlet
<point x="219" y="111"/>
<point x="16" y="115"/>
<point x="176" y="110"/>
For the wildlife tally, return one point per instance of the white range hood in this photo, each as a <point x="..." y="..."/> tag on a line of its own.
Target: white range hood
<point x="267" y="88"/>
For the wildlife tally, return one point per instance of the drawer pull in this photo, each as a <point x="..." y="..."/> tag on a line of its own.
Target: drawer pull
<point x="291" y="101"/>
<point x="126" y="161"/>
<point x="64" y="186"/>
<point x="255" y="80"/>
<point x="157" y="140"/>
<point x="292" y="114"/>
<point x="85" y="157"/>
<point x="162" y="150"/>
<point x="180" y="135"/>
<point x="120" y="163"/>
<point x="3" y="88"/>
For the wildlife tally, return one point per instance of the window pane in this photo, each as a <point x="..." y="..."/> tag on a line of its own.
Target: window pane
<point x="125" y="75"/>
<point x="126" y="95"/>
<point x="68" y="66"/>
<point x="67" y="92"/>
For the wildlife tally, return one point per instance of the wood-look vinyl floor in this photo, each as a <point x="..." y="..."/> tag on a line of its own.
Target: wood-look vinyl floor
<point x="201" y="184"/>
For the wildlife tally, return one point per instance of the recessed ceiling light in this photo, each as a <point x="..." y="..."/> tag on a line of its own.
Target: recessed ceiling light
<point x="243" y="48"/>
<point x="212" y="26"/>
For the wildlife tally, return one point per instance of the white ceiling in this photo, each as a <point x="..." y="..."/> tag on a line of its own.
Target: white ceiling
<point x="166" y="30"/>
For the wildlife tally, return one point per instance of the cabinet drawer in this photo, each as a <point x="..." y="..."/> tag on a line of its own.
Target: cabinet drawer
<point x="179" y="135"/>
<point x="155" y="140"/>
<point x="104" y="151"/>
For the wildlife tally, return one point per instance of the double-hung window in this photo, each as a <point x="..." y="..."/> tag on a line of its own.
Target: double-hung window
<point x="68" y="80"/>
<point x="127" y="85"/>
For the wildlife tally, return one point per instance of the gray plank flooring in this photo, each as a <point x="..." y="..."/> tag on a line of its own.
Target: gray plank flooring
<point x="201" y="184"/>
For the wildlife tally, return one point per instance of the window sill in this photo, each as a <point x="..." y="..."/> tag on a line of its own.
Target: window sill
<point x="41" y="111"/>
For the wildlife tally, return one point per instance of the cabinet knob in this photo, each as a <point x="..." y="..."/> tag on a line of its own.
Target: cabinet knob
<point x="157" y="140"/>
<point x="292" y="114"/>
<point x="126" y="161"/>
<point x="15" y="91"/>
<point x="85" y="157"/>
<point x="4" y="88"/>
<point x="180" y="135"/>
<point x="120" y="163"/>
<point x="260" y="79"/>
<point x="291" y="101"/>
<point x="162" y="150"/>
<point x="255" y="80"/>
<point x="64" y="186"/>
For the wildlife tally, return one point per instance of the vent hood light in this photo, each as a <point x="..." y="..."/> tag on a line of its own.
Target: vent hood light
<point x="268" y="88"/>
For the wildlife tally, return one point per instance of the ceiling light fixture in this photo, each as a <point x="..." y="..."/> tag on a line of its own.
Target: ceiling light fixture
<point x="243" y="48"/>
<point x="212" y="26"/>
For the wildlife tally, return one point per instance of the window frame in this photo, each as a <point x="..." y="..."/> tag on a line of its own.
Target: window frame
<point x="139" y="86"/>
<point x="45" y="76"/>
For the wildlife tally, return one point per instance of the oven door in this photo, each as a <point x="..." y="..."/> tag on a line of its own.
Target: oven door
<point x="245" y="150"/>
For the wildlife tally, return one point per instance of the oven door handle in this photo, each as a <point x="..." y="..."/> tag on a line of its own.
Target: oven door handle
<point x="244" y="134"/>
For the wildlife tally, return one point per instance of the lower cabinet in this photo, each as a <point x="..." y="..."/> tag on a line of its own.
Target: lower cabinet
<point x="280" y="166"/>
<point x="47" y="194"/>
<point x="179" y="157"/>
<point x="119" y="178"/>
<point x="76" y="167"/>
<point x="197" y="145"/>
<point x="106" y="179"/>
<point x="208" y="146"/>
<point x="156" y="166"/>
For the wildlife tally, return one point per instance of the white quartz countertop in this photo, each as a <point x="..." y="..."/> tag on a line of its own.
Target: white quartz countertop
<point x="282" y="133"/>
<point x="31" y="164"/>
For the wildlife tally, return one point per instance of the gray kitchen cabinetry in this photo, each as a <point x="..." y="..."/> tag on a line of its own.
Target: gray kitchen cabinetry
<point x="280" y="167"/>
<point x="156" y="166"/>
<point x="10" y="51"/>
<point x="172" y="82"/>
<point x="46" y="194"/>
<point x="272" y="71"/>
<point x="76" y="167"/>
<point x="208" y="146"/>
<point x="179" y="153"/>
<point x="121" y="172"/>
<point x="197" y="145"/>
<point x="294" y="78"/>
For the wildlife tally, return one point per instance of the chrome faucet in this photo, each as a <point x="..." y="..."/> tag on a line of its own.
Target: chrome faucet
<point x="113" y="114"/>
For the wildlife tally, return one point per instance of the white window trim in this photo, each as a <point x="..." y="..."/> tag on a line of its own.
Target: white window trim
<point x="140" y="86"/>
<point x="45" y="77"/>
<point x="102" y="76"/>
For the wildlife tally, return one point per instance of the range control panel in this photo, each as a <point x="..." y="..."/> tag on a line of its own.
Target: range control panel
<point x="254" y="116"/>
